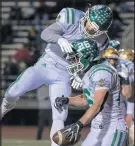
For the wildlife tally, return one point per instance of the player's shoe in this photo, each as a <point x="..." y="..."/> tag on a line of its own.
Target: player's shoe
<point x="6" y="107"/>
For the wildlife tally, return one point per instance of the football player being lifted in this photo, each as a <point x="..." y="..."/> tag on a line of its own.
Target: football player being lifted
<point x="101" y="91"/>
<point x="50" y="69"/>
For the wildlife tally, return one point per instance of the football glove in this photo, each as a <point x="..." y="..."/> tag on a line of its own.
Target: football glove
<point x="72" y="132"/>
<point x="77" y="82"/>
<point x="60" y="102"/>
<point x="124" y="72"/>
<point x="65" y="45"/>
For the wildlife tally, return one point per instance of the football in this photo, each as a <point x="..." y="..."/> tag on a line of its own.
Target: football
<point x="61" y="139"/>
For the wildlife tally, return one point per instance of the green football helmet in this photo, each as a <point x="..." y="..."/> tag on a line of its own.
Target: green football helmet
<point x="114" y="44"/>
<point x="100" y="18"/>
<point x="85" y="51"/>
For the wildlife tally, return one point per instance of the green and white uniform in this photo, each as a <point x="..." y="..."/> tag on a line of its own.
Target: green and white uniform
<point x="108" y="128"/>
<point x="68" y="26"/>
<point x="51" y="67"/>
<point x="130" y="67"/>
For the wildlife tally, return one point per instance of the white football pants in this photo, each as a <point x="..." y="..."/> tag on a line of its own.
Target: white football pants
<point x="113" y="134"/>
<point x="45" y="71"/>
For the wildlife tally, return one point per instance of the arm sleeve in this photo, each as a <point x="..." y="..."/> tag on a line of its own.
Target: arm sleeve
<point x="52" y="33"/>
<point x="130" y="103"/>
<point x="130" y="108"/>
<point x="55" y="31"/>
<point x="102" y="80"/>
<point x="131" y="72"/>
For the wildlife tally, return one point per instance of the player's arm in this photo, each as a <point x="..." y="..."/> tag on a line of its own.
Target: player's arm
<point x="101" y="82"/>
<point x="130" y="107"/>
<point x="126" y="91"/>
<point x="55" y="31"/>
<point x="101" y="87"/>
<point x="126" y="88"/>
<point x="52" y="33"/>
<point x="99" y="97"/>
<point x="78" y="100"/>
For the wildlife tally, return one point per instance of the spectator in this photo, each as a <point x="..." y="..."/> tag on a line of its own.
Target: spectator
<point x="32" y="33"/>
<point x="35" y="56"/>
<point x="127" y="6"/>
<point x="42" y="12"/>
<point x="44" y="118"/>
<point x="24" y="55"/>
<point x="116" y="24"/>
<point x="10" y="71"/>
<point x="6" y="32"/>
<point x="16" y="13"/>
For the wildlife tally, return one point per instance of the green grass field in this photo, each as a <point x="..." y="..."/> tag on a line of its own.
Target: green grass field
<point x="27" y="143"/>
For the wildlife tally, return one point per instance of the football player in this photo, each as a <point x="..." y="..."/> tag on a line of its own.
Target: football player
<point x="101" y="91"/>
<point x="128" y="56"/>
<point x="70" y="25"/>
<point x="127" y="104"/>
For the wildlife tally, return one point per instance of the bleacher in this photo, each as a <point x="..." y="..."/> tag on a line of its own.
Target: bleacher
<point x="20" y="31"/>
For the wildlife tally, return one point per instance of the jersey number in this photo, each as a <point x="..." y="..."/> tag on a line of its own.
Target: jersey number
<point x="83" y="45"/>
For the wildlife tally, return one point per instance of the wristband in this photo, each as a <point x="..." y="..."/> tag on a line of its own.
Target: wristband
<point x="80" y="124"/>
<point x="125" y="81"/>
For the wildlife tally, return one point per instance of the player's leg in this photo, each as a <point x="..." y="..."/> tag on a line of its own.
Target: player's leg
<point x="58" y="89"/>
<point x="114" y="139"/>
<point x="29" y="80"/>
<point x="92" y="139"/>
<point x="115" y="134"/>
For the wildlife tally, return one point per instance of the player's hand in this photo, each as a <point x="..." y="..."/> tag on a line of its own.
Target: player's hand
<point x="60" y="102"/>
<point x="72" y="132"/>
<point x="129" y="120"/>
<point x="65" y="45"/>
<point x="124" y="72"/>
<point x="77" y="81"/>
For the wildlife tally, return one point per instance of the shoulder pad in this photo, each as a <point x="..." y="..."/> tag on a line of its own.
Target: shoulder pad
<point x="69" y="16"/>
<point x="101" y="68"/>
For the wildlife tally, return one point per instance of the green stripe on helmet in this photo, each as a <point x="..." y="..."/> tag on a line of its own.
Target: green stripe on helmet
<point x="73" y="17"/>
<point x="67" y="10"/>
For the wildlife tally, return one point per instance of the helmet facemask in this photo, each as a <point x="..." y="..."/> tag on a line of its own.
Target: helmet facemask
<point x="112" y="56"/>
<point x="94" y="27"/>
<point x="100" y="19"/>
<point x="78" y="63"/>
<point x="84" y="52"/>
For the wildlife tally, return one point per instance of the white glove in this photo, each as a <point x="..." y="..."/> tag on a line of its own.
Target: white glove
<point x="124" y="71"/>
<point x="77" y="82"/>
<point x="65" y="45"/>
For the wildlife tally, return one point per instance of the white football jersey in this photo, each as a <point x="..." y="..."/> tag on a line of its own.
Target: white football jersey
<point x="104" y="76"/>
<point x="71" y="29"/>
<point x="130" y="67"/>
